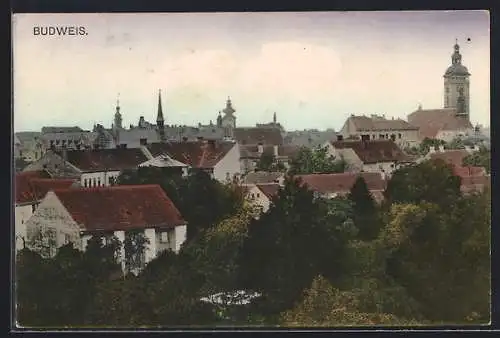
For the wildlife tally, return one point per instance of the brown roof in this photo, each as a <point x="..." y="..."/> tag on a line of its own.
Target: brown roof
<point x="120" y="207"/>
<point x="269" y="190"/>
<point x="201" y="154"/>
<point x="374" y="151"/>
<point x="431" y="121"/>
<point x="468" y="171"/>
<point x="105" y="159"/>
<point x="31" y="186"/>
<point x="256" y="135"/>
<point x="365" y="123"/>
<point x="252" y="151"/>
<point x="342" y="182"/>
<point x="454" y="157"/>
<point x="259" y="177"/>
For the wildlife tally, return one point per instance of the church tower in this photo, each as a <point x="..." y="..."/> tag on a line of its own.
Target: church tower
<point x="456" y="84"/>
<point x="118" y="116"/>
<point x="160" y="122"/>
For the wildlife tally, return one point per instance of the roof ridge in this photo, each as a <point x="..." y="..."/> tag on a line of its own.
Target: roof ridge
<point x="114" y="187"/>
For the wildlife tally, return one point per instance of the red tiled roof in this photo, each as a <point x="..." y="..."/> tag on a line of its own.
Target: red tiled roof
<point x="374" y="151"/>
<point x="120" y="207"/>
<point x="468" y="171"/>
<point x="431" y="121"/>
<point x="105" y="159"/>
<point x="257" y="135"/>
<point x="342" y="182"/>
<point x="259" y="177"/>
<point x="23" y="187"/>
<point x="204" y="154"/>
<point x="365" y="123"/>
<point x="475" y="183"/>
<point x="454" y="157"/>
<point x="269" y="190"/>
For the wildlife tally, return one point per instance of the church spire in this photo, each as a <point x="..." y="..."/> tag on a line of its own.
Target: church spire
<point x="274" y="118"/>
<point x="160" y="120"/>
<point x="456" y="57"/>
<point x="159" y="116"/>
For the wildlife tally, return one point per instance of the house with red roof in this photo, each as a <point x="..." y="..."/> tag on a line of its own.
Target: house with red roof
<point x="92" y="167"/>
<point x="30" y="188"/>
<point x="261" y="195"/>
<point x="338" y="185"/>
<point x="220" y="159"/>
<point x="75" y="215"/>
<point x="379" y="156"/>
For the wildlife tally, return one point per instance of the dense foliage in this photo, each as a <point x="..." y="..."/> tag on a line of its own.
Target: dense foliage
<point x="481" y="158"/>
<point x="423" y="257"/>
<point x="309" y="161"/>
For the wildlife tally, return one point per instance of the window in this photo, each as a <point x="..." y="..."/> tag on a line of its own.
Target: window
<point x="143" y="141"/>
<point x="258" y="195"/>
<point x="94" y="182"/>
<point x="164" y="237"/>
<point x="85" y="183"/>
<point x="399" y="135"/>
<point x="253" y="196"/>
<point x="111" y="180"/>
<point x="67" y="238"/>
<point x="98" y="181"/>
<point x="381" y="136"/>
<point x="393" y="137"/>
<point x="33" y="207"/>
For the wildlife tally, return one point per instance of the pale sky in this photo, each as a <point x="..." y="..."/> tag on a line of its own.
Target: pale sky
<point x="313" y="69"/>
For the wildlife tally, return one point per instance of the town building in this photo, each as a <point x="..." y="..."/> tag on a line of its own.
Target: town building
<point x="310" y="138"/>
<point x="380" y="156"/>
<point x="263" y="177"/>
<point x="220" y="159"/>
<point x="251" y="154"/>
<point x="30" y="188"/>
<point x="92" y="167"/>
<point x="30" y="146"/>
<point x="453" y="120"/>
<point x="339" y="185"/>
<point x="75" y="215"/>
<point x="261" y="195"/>
<point x="377" y="127"/>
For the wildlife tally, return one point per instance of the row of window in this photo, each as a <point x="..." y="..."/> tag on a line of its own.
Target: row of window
<point x="89" y="183"/>
<point x="381" y="136"/>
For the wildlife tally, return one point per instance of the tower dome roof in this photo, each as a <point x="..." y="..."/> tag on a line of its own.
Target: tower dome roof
<point x="457" y="69"/>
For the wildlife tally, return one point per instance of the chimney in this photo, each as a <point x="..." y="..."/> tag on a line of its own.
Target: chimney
<point x="441" y="148"/>
<point x="275" y="150"/>
<point x="432" y="149"/>
<point x="260" y="148"/>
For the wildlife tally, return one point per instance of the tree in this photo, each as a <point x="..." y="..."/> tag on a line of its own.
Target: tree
<point x="135" y="246"/>
<point x="441" y="256"/>
<point x="427" y="143"/>
<point x="268" y="162"/>
<point x="430" y="181"/>
<point x="365" y="210"/>
<point x="287" y="246"/>
<point x="481" y="158"/>
<point x="309" y="161"/>
<point x="325" y="305"/>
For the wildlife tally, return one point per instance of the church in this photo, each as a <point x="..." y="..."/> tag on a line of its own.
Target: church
<point x="453" y="120"/>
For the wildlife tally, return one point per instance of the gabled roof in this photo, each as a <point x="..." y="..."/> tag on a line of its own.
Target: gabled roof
<point x="342" y="182"/>
<point x="252" y="151"/>
<point x="120" y="207"/>
<point x="269" y="190"/>
<point x="31" y="186"/>
<point x="374" y="151"/>
<point x="454" y="157"/>
<point x="201" y="154"/>
<point x="431" y="121"/>
<point x="163" y="161"/>
<point x="105" y="159"/>
<point x="365" y="123"/>
<point x="259" y="177"/>
<point x="256" y="135"/>
<point x="475" y="183"/>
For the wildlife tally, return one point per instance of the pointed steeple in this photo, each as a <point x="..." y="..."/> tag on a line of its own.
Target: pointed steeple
<point x="159" y="116"/>
<point x="456" y="57"/>
<point x="274" y="118"/>
<point x="159" y="119"/>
